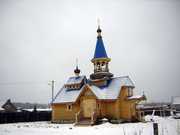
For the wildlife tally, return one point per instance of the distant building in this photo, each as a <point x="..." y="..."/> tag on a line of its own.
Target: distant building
<point x="175" y="104"/>
<point x="159" y="109"/>
<point x="8" y="106"/>
<point x="1" y="104"/>
<point x="100" y="96"/>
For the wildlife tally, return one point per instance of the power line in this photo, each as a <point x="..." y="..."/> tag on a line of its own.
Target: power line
<point x="23" y="83"/>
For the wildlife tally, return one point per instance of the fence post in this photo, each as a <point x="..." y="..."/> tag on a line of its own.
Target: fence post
<point x="155" y="127"/>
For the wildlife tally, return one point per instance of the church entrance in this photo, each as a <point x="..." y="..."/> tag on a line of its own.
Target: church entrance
<point x="88" y="106"/>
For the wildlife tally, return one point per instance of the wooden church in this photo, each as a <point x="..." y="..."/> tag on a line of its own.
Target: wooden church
<point x="100" y="96"/>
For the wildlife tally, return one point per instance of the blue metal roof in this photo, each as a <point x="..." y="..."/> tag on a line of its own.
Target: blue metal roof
<point x="100" y="51"/>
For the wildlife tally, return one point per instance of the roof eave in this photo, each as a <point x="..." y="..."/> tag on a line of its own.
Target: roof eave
<point x="61" y="103"/>
<point x="101" y="59"/>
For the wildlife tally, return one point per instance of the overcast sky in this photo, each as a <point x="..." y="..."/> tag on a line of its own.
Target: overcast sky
<point x="41" y="39"/>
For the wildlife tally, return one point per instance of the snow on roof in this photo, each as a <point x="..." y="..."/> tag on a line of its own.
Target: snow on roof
<point x="75" y="80"/>
<point x="1" y="104"/>
<point x="65" y="95"/>
<point x="135" y="97"/>
<point x="176" y="100"/>
<point x="151" y="105"/>
<point x="1" y="109"/>
<point x="113" y="89"/>
<point x="109" y="92"/>
<point x="38" y="109"/>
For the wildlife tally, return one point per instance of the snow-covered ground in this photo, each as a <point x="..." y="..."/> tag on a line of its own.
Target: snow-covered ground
<point x="167" y="126"/>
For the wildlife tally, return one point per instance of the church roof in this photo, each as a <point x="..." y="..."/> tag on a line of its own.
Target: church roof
<point x="111" y="91"/>
<point x="75" y="80"/>
<point x="100" y="51"/>
<point x="67" y="96"/>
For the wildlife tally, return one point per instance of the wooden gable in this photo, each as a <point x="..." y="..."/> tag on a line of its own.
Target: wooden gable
<point x="86" y="93"/>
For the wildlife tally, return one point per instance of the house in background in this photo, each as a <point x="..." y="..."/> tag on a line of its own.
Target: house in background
<point x="101" y="96"/>
<point x="156" y="108"/>
<point x="1" y="104"/>
<point x="175" y="104"/>
<point x="8" y="106"/>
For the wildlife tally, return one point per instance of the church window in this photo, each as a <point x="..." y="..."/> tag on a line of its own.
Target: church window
<point x="69" y="107"/>
<point x="130" y="92"/>
<point x="98" y="105"/>
<point x="98" y="66"/>
<point x="103" y="66"/>
<point x="103" y="63"/>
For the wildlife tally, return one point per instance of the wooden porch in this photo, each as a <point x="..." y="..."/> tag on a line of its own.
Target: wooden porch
<point x="83" y="121"/>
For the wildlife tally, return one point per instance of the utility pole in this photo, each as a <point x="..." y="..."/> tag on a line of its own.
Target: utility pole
<point x="52" y="83"/>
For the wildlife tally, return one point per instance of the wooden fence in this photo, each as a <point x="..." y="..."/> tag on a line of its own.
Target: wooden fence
<point x="12" y="117"/>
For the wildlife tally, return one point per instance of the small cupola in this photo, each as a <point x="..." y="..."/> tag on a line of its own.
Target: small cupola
<point x="99" y="31"/>
<point x="77" y="70"/>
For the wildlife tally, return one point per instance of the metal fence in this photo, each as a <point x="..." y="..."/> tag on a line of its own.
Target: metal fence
<point x="12" y="117"/>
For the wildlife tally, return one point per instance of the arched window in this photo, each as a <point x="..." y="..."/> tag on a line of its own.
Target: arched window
<point x="98" y="66"/>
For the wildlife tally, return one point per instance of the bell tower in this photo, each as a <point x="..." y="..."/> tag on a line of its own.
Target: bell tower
<point x="100" y="60"/>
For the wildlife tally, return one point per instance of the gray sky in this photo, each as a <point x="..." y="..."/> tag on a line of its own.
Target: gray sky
<point x="40" y="40"/>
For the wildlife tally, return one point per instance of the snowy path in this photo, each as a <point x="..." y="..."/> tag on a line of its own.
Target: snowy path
<point x="166" y="127"/>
